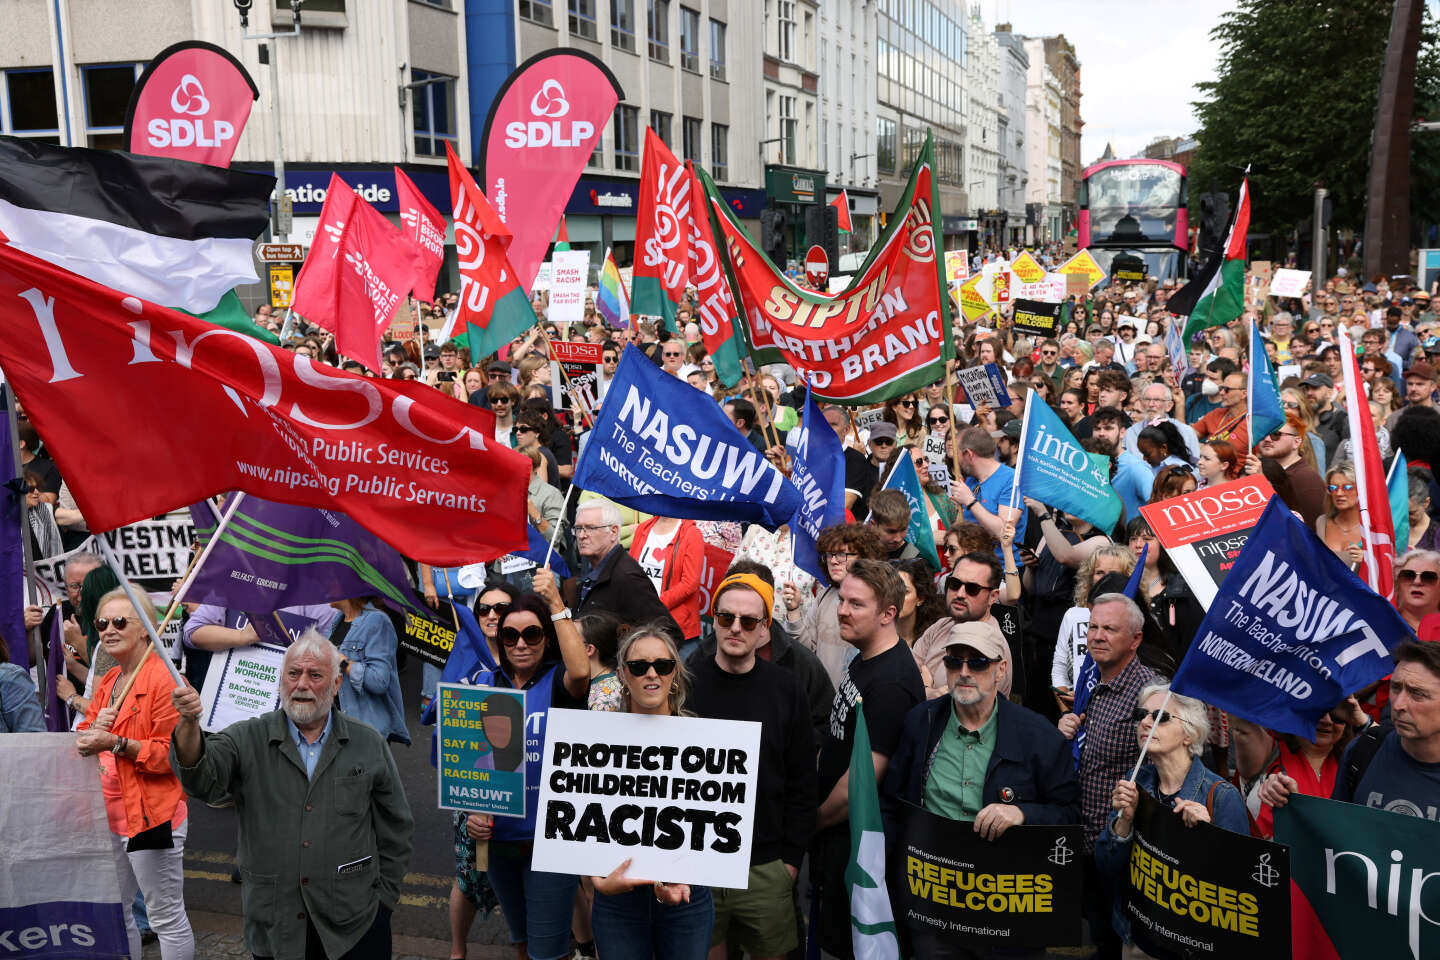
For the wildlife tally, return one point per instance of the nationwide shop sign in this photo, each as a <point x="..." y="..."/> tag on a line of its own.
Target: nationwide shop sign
<point x="674" y="795"/>
<point x="1032" y="316"/>
<point x="886" y="334"/>
<point x="1021" y="890"/>
<point x="1204" y="891"/>
<point x="1205" y="531"/>
<point x="480" y="732"/>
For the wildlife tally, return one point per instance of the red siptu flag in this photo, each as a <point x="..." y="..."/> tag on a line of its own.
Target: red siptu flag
<point x="414" y="467"/>
<point x="356" y="275"/>
<point x="842" y="204"/>
<point x="425" y="228"/>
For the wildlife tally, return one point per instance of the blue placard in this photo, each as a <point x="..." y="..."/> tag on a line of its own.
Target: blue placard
<point x="481" y="733"/>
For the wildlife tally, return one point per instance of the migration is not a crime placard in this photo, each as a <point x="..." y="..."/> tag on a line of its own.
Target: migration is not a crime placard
<point x="675" y="795"/>
<point x="1021" y="890"/>
<point x="1204" y="891"/>
<point x="481" y="736"/>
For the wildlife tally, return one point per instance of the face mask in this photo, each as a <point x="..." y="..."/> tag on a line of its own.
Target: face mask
<point x="1210" y="388"/>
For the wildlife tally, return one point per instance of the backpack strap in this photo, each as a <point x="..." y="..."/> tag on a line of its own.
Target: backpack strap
<point x="1210" y="799"/>
<point x="1363" y="752"/>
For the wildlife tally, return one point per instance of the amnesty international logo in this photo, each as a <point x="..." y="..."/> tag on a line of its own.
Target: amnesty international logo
<point x="1061" y="854"/>
<point x="1265" y="875"/>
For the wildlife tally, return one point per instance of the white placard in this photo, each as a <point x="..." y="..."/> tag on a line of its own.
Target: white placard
<point x="935" y="453"/>
<point x="1049" y="290"/>
<point x="615" y="771"/>
<point x="156" y="551"/>
<point x="542" y="277"/>
<point x="866" y="419"/>
<point x="1290" y="283"/>
<point x="243" y="682"/>
<point x="567" y="286"/>
<point x="977" y="386"/>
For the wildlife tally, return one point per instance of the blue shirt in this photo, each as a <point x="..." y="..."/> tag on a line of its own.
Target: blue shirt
<point x="309" y="752"/>
<point x="1133" y="481"/>
<point x="994" y="493"/>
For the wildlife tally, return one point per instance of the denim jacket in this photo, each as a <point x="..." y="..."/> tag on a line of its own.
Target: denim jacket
<point x="371" y="691"/>
<point x="1112" y="853"/>
<point x="19" y="709"/>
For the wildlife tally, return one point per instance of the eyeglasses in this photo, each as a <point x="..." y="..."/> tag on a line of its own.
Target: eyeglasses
<point x="1159" y="716"/>
<point x="531" y="636"/>
<point x="976" y="664"/>
<point x="842" y="557"/>
<point x="1049" y="353"/>
<point x="1347" y="487"/>
<point x="638" y="668"/>
<point x="499" y="609"/>
<point x="1427" y="577"/>
<point x="501" y="400"/>
<point x="527" y="428"/>
<point x="121" y="622"/>
<point x="610" y="358"/>
<point x="1232" y="389"/>
<point x="954" y="584"/>
<point x="590" y="528"/>
<point x="671" y="356"/>
<point x="726" y="620"/>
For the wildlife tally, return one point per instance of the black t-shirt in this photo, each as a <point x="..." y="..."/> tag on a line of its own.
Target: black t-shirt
<point x="889" y="684"/>
<point x="860" y="476"/>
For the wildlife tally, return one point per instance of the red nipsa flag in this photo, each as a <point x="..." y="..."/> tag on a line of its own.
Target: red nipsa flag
<point x="147" y="409"/>
<point x="425" y="228"/>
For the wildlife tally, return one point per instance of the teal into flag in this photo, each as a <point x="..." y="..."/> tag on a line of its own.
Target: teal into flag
<point x="1266" y="412"/>
<point x="1053" y="468"/>
<point x="1398" y="486"/>
<point x="907" y="481"/>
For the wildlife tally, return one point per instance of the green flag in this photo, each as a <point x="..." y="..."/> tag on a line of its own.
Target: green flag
<point x="230" y="313"/>
<point x="872" y="924"/>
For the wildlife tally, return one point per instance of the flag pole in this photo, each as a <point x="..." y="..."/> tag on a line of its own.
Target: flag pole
<point x="450" y="595"/>
<point x="555" y="534"/>
<point x="154" y="647"/>
<point x="193" y="571"/>
<point x="1020" y="454"/>
<point x="1145" y="747"/>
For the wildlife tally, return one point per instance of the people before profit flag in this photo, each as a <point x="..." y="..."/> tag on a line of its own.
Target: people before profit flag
<point x="128" y="725"/>
<point x="324" y="824"/>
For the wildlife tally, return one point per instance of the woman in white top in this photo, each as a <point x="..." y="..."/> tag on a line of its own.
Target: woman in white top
<point x="1070" y="645"/>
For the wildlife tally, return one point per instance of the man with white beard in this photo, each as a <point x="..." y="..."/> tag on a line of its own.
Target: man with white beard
<point x="324" y="825"/>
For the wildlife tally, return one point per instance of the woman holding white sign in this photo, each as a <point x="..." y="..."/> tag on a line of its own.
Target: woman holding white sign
<point x="636" y="919"/>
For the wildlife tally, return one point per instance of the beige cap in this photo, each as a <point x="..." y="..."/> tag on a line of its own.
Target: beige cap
<point x="984" y="638"/>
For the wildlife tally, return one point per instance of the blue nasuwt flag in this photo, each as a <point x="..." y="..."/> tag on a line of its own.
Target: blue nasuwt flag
<point x="817" y="469"/>
<point x="536" y="549"/>
<point x="1053" y="468"/>
<point x="662" y="447"/>
<point x="1266" y="412"/>
<point x="1398" y="487"/>
<point x="1292" y="632"/>
<point x="904" y="478"/>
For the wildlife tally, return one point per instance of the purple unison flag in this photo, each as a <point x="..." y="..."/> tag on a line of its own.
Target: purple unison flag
<point x="12" y="546"/>
<point x="57" y="715"/>
<point x="276" y="555"/>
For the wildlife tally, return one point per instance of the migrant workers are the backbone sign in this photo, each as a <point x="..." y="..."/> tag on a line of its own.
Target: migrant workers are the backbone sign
<point x="886" y="334"/>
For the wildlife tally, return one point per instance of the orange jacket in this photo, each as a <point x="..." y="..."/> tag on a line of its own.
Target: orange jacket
<point x="680" y="583"/>
<point x="147" y="784"/>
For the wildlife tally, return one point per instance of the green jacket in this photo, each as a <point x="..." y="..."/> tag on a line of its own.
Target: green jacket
<point x="296" y="833"/>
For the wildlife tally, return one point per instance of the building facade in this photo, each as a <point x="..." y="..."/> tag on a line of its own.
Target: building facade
<point x="1014" y="173"/>
<point x="847" y="115"/>
<point x="1061" y="58"/>
<point x="984" y="106"/>
<point x="1043" y="145"/>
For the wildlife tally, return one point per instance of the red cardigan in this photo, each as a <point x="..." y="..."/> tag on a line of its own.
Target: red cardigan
<point x="680" y="582"/>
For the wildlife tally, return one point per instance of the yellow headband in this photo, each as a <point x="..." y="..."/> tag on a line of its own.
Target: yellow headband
<point x="751" y="582"/>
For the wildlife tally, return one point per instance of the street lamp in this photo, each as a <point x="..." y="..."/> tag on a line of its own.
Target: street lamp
<point x="761" y="146"/>
<point x="281" y="219"/>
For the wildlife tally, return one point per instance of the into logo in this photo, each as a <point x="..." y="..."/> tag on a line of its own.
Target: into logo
<point x="189" y="97"/>
<point x="550" y="100"/>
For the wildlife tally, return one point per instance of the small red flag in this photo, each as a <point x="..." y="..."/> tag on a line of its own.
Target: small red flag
<point x="425" y="228"/>
<point x="842" y="204"/>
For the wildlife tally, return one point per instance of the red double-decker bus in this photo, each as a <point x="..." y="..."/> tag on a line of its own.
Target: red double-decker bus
<point x="1137" y="207"/>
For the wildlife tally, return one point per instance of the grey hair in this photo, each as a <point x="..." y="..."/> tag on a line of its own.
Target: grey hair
<point x="85" y="560"/>
<point x="609" y="513"/>
<point x="1428" y="556"/>
<point x="313" y="643"/>
<point x="1132" y="612"/>
<point x="1188" y="710"/>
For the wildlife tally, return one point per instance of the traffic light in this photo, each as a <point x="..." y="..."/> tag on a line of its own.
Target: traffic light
<point x="772" y="236"/>
<point x="1214" y="218"/>
<point x="822" y="226"/>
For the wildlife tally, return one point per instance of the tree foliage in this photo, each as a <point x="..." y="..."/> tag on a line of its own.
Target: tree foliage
<point x="1294" y="96"/>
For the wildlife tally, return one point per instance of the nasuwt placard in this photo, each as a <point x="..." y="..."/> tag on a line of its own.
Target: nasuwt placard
<point x="481" y="734"/>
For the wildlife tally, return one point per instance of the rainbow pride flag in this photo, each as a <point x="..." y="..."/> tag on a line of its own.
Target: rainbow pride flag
<point x="613" y="301"/>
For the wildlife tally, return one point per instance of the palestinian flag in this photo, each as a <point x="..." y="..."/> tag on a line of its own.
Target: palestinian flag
<point x="842" y="207"/>
<point x="230" y="313"/>
<point x="1217" y="294"/>
<point x="167" y="231"/>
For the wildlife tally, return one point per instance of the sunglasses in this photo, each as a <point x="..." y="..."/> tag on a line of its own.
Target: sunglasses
<point x="638" y="668"/>
<point x="906" y="403"/>
<point x="485" y="609"/>
<point x="1291" y="405"/>
<point x="532" y="636"/>
<point x="976" y="664"/>
<point x="1159" y="716"/>
<point x="955" y="584"/>
<point x="1427" y="577"/>
<point x="1336" y="487"/>
<point x="934" y="420"/>
<point x="121" y="622"/>
<point x="727" y="620"/>
<point x="882" y="442"/>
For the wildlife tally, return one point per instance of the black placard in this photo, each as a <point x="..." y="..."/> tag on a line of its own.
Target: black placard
<point x="1033" y="316"/>
<point x="1127" y="267"/>
<point x="1204" y="891"/>
<point x="430" y="640"/>
<point x="962" y="892"/>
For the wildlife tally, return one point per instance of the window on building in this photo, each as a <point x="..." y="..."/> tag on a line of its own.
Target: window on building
<point x="689" y="40"/>
<point x="717" y="50"/>
<point x="627" y="138"/>
<point x="786" y="22"/>
<point x="622" y="24"/>
<point x="660" y="31"/>
<point x="27" y="105"/>
<point x="107" y="92"/>
<point x="582" y="19"/>
<point x="433" y="111"/>
<point x="660" y="123"/>
<point x="538" y="11"/>
<point x="885" y="144"/>
<point x="719" y="151"/>
<point x="789" y="128"/>
<point x="691" y="135"/>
